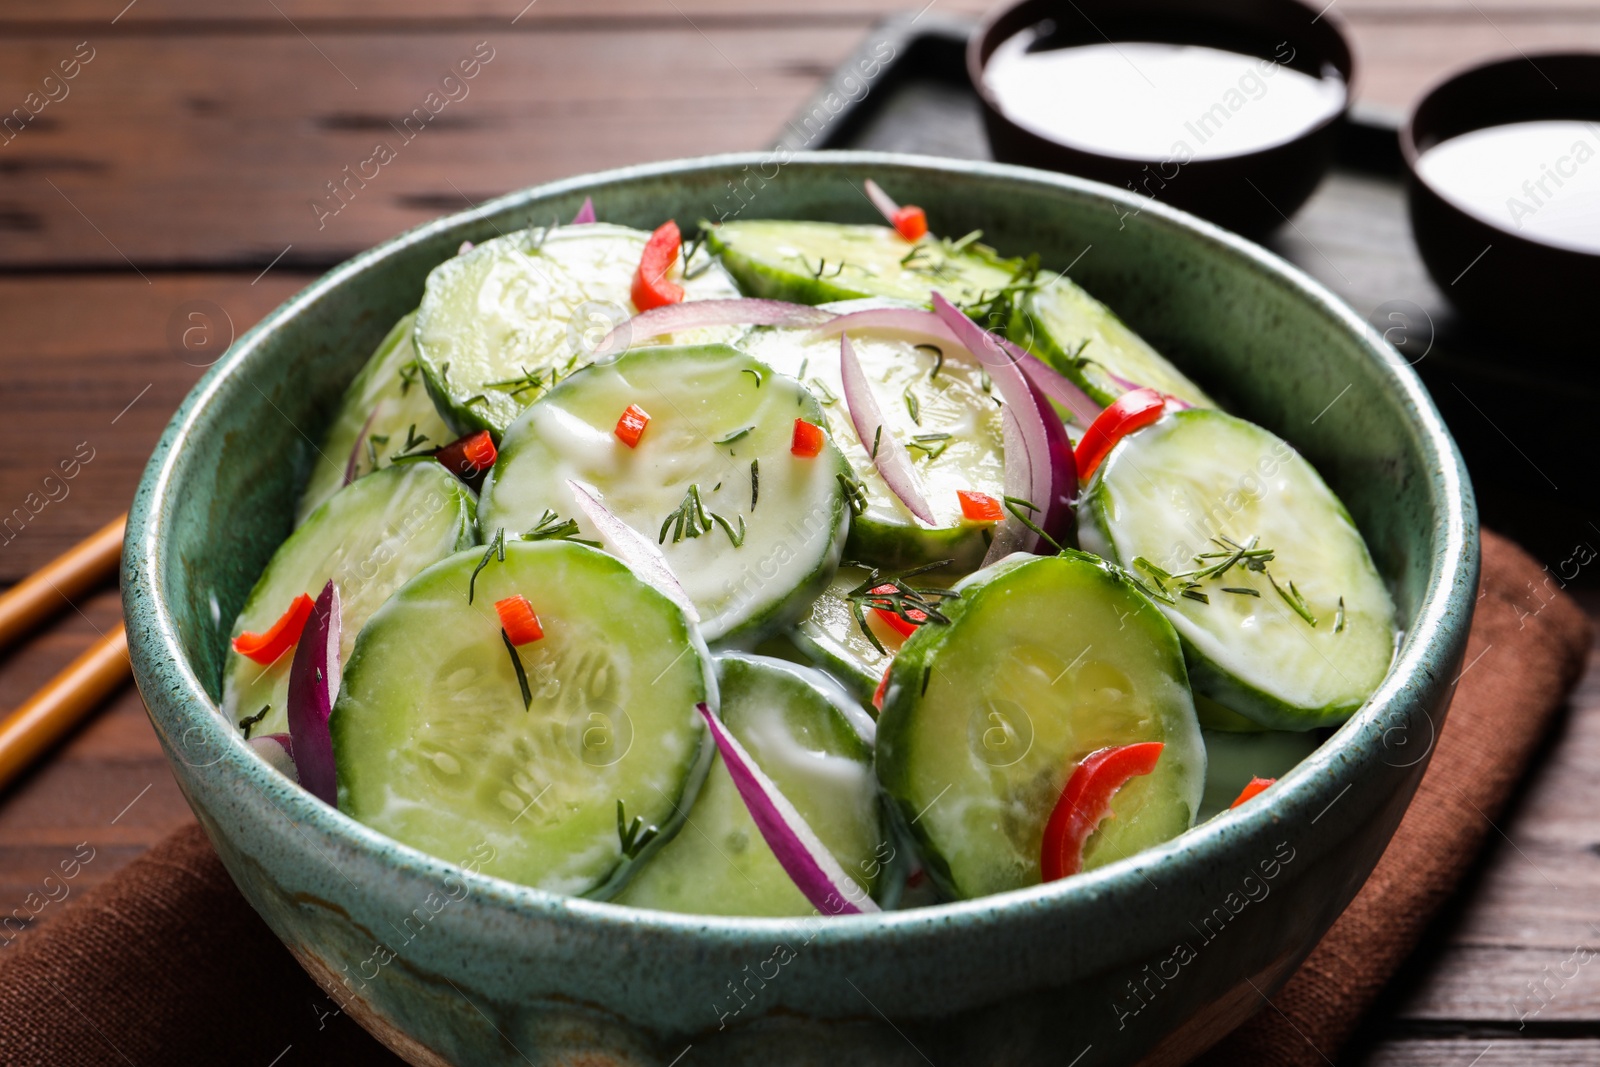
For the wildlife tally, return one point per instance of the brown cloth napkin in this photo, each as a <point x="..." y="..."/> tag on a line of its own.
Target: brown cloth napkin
<point x="166" y="963"/>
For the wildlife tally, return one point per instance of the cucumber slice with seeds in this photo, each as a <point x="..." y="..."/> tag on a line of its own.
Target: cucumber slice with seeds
<point x="1045" y="660"/>
<point x="936" y="401"/>
<point x="752" y="531"/>
<point x="1175" y="491"/>
<point x="1084" y="340"/>
<point x="388" y="392"/>
<point x="815" y="262"/>
<point x="501" y="322"/>
<point x="436" y="748"/>
<point x="797" y="725"/>
<point x="370" y="538"/>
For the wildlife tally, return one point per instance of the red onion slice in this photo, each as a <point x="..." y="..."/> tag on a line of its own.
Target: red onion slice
<point x="905" y="320"/>
<point x="881" y="200"/>
<point x="1059" y="515"/>
<point x="888" y="454"/>
<point x="1028" y="454"/>
<point x="585" y="213"/>
<point x="354" y="461"/>
<point x="313" y="687"/>
<point x="1058" y="388"/>
<point x="804" y="857"/>
<point x="693" y="314"/>
<point x="631" y="547"/>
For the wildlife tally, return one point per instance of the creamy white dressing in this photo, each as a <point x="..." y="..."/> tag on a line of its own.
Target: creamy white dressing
<point x="1161" y="102"/>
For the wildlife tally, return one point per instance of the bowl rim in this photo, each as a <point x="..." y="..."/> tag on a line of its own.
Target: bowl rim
<point x="1443" y="612"/>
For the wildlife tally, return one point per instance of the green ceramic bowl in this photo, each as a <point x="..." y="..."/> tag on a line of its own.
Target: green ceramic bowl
<point x="1156" y="956"/>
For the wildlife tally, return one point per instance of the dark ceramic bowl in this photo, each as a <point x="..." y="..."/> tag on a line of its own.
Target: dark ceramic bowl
<point x="1158" y="955"/>
<point x="1518" y="286"/>
<point x="1252" y="192"/>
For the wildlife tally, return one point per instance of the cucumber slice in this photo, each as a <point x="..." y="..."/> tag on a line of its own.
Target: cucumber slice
<point x="370" y="538"/>
<point x="1232" y="759"/>
<point x="832" y="639"/>
<point x="714" y="412"/>
<point x="814" y="262"/>
<point x="1084" y="340"/>
<point x="796" y="724"/>
<point x="1045" y="660"/>
<point x="1164" y="492"/>
<point x="390" y="392"/>
<point x="436" y="748"/>
<point x="918" y="406"/>
<point x="500" y="323"/>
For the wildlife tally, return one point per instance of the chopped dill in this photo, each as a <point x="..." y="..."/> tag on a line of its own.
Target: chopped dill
<point x="633" y="836"/>
<point x="736" y="538"/>
<point x="552" y="527"/>
<point x="933" y="444"/>
<point x="855" y="494"/>
<point x="688" y="519"/>
<point x="1015" y="505"/>
<point x="408" y="376"/>
<point x="497" y="549"/>
<point x="516" y="665"/>
<point x="414" y="440"/>
<point x="892" y="595"/>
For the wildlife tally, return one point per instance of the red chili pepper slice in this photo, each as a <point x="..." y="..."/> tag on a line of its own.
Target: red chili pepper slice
<point x="631" y="426"/>
<point x="979" y="507"/>
<point x="468" y="456"/>
<point x="650" y="286"/>
<point x="883" y="688"/>
<point x="894" y="620"/>
<point x="518" y="620"/>
<point x="1086" y="801"/>
<point x="1249" y="792"/>
<point x="281" y="637"/>
<point x="807" y="440"/>
<point x="911" y="222"/>
<point x="1129" y="412"/>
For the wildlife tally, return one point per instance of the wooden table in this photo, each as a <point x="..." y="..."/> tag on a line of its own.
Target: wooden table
<point x="175" y="173"/>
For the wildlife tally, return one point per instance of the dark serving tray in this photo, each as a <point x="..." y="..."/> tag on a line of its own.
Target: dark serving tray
<point x="1530" y="459"/>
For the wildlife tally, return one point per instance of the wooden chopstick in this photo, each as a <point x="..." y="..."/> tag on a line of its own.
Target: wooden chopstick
<point x="53" y="587"/>
<point x="48" y="715"/>
<point x="53" y="711"/>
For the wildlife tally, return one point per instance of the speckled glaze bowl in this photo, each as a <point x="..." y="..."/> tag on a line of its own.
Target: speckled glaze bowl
<point x="1154" y="957"/>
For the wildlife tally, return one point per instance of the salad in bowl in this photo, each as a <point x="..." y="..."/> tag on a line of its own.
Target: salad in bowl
<point x="795" y="568"/>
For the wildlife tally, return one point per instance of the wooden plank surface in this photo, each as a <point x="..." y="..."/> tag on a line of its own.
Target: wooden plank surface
<point x="258" y="139"/>
<point x="185" y="159"/>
